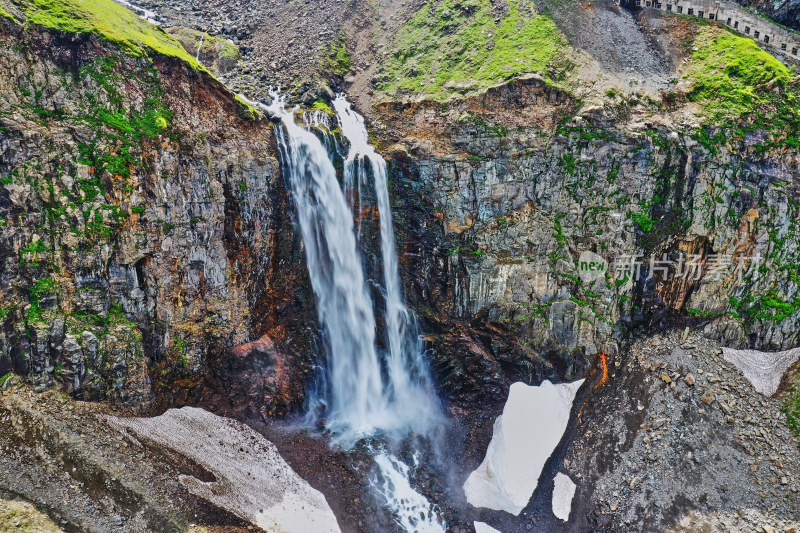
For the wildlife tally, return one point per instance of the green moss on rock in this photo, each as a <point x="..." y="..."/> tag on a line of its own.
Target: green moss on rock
<point x="22" y="517"/>
<point x="107" y="20"/>
<point x="6" y="14"/>
<point x="463" y="46"/>
<point x="791" y="406"/>
<point x="732" y="75"/>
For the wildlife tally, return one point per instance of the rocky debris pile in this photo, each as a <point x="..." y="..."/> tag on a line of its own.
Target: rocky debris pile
<point x="695" y="444"/>
<point x="248" y="475"/>
<point x="62" y="456"/>
<point x="281" y="43"/>
<point x="58" y="455"/>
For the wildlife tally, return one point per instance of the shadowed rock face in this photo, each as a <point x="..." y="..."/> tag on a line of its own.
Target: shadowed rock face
<point x="786" y="12"/>
<point x="257" y="380"/>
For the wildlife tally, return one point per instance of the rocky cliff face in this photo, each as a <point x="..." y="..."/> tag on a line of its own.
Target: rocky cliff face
<point x="506" y="201"/>
<point x="786" y="12"/>
<point x="144" y="226"/>
<point x="147" y="230"/>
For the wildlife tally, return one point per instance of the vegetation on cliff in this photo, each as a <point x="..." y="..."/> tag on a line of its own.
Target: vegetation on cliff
<point x="217" y="53"/>
<point x="467" y="45"/>
<point x="734" y="79"/>
<point x="107" y="20"/>
<point x="6" y="14"/>
<point x="337" y="59"/>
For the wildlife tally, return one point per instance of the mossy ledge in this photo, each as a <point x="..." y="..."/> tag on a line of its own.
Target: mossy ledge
<point x="464" y="47"/>
<point x="105" y="19"/>
<point x="733" y="75"/>
<point x="113" y="23"/>
<point x="6" y="14"/>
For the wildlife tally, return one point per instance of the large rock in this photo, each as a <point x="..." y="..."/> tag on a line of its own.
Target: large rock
<point x="533" y="421"/>
<point x="258" y="379"/>
<point x="220" y="55"/>
<point x="251" y="478"/>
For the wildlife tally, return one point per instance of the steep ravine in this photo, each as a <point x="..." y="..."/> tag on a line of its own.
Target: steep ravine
<point x="151" y="259"/>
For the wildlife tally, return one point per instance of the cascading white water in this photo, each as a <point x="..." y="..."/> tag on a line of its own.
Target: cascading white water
<point x="408" y="376"/>
<point x="413" y="512"/>
<point x="370" y="391"/>
<point x="200" y="47"/>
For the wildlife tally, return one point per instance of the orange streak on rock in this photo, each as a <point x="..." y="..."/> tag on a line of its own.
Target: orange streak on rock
<point x="604" y="362"/>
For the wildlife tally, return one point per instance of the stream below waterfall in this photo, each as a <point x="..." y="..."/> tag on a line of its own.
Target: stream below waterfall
<point x="370" y="385"/>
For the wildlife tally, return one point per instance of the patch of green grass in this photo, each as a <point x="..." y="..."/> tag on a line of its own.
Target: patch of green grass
<point x="772" y="307"/>
<point x="42" y="286"/>
<point x="336" y="59"/>
<point x="456" y="45"/>
<point x="6" y="14"/>
<point x="700" y="313"/>
<point x="118" y="125"/>
<point x="708" y="141"/>
<point x="791" y="406"/>
<point x="248" y="111"/>
<point x="192" y="39"/>
<point x="32" y="255"/>
<point x="99" y="324"/>
<point x="107" y="20"/>
<point x="733" y="77"/>
<point x="320" y="105"/>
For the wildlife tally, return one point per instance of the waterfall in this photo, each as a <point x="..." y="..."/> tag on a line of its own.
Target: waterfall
<point x="408" y="376"/>
<point x="370" y="391"/>
<point x="413" y="512"/>
<point x="200" y="47"/>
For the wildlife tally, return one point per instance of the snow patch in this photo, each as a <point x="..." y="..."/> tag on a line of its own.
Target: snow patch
<point x="532" y="424"/>
<point x="252" y="479"/>
<point x="563" y="492"/>
<point x="480" y="527"/>
<point x="764" y="370"/>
